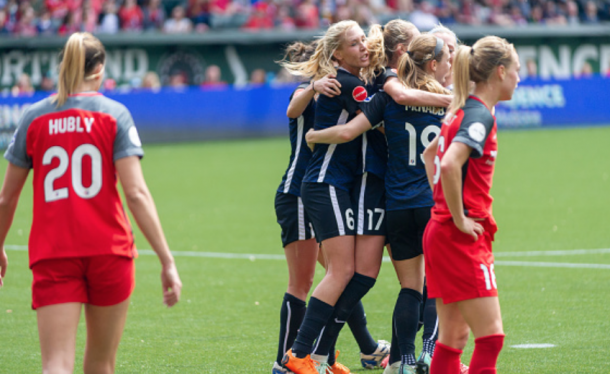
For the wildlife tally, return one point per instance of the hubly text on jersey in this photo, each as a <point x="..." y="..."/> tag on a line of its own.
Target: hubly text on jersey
<point x="70" y="124"/>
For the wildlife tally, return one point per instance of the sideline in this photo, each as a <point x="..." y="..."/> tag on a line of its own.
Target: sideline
<point x="254" y="257"/>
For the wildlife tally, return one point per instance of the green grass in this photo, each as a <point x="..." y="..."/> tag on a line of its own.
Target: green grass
<point x="551" y="193"/>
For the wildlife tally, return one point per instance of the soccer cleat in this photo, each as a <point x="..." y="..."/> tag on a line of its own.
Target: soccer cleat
<point x="299" y="365"/>
<point x="278" y="369"/>
<point x="393" y="368"/>
<point x="373" y="361"/>
<point x="406" y="369"/>
<point x="338" y="368"/>
<point x="423" y="363"/>
<point x="463" y="369"/>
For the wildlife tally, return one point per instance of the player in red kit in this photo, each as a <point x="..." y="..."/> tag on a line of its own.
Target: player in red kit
<point x="81" y="247"/>
<point x="457" y="241"/>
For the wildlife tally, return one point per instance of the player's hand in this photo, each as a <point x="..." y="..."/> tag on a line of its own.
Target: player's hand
<point x="469" y="226"/>
<point x="172" y="285"/>
<point x="327" y="86"/>
<point x="308" y="139"/>
<point x="3" y="265"/>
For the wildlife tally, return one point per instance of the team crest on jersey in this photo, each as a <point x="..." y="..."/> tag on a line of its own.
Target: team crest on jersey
<point x="477" y="131"/>
<point x="359" y="94"/>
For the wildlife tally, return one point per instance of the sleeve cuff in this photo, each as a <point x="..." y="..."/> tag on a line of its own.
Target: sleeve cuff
<point x="17" y="162"/>
<point x="477" y="151"/>
<point x="129" y="152"/>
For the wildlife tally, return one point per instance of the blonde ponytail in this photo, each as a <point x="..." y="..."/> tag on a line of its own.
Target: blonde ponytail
<point x="80" y="56"/>
<point x="412" y="65"/>
<point x="476" y="64"/>
<point x="461" y="77"/>
<point x="375" y="43"/>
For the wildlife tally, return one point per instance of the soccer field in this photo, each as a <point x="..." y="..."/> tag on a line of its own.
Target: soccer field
<point x="215" y="199"/>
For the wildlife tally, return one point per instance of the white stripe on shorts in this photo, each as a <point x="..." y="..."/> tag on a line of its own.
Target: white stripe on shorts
<point x="337" y="210"/>
<point x="290" y="174"/>
<point x="361" y="205"/>
<point x="301" y="214"/>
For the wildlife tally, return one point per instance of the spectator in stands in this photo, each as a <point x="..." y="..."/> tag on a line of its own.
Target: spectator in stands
<point x="27" y="23"/>
<point x="199" y="13"/>
<point x="591" y="13"/>
<point x="44" y="24"/>
<point x="260" y="18"/>
<point x="3" y="29"/>
<point x="552" y="15"/>
<point x="178" y="24"/>
<point x="23" y="87"/>
<point x="517" y="16"/>
<point x="531" y="69"/>
<point x="283" y="20"/>
<point x="423" y="18"/>
<point x="90" y="18"/>
<point x="307" y="15"/>
<point x="47" y="84"/>
<point x="151" y="81"/>
<point x="213" y="77"/>
<point x="585" y="72"/>
<point x="131" y="16"/>
<point x="110" y="20"/>
<point x="446" y="13"/>
<point x="258" y="77"/>
<point x="572" y="15"/>
<point x="69" y="25"/>
<point x="154" y="15"/>
<point x="178" y="80"/>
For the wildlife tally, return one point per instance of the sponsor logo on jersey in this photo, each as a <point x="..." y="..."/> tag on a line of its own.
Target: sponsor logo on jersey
<point x="477" y="131"/>
<point x="369" y="98"/>
<point x="359" y="94"/>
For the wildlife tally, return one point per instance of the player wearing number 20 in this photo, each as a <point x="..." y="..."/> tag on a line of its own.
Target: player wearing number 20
<point x="81" y="247"/>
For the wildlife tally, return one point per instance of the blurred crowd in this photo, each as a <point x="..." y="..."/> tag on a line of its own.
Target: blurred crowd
<point x="51" y="17"/>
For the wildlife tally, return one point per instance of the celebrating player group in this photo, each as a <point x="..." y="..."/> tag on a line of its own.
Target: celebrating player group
<point x="394" y="144"/>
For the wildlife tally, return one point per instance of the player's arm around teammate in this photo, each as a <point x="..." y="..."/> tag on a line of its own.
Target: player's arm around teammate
<point x="94" y="265"/>
<point x="461" y="231"/>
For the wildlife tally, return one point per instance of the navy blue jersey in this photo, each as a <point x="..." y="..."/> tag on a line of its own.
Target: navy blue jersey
<point x="408" y="130"/>
<point x="374" y="145"/>
<point x="338" y="164"/>
<point x="300" y="154"/>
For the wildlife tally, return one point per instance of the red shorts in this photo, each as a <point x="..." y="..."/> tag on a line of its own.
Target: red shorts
<point x="457" y="267"/>
<point x="97" y="280"/>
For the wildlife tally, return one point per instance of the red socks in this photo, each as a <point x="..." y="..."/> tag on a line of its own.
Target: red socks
<point x="446" y="360"/>
<point x="486" y="352"/>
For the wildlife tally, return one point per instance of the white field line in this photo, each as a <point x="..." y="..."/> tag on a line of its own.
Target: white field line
<point x="253" y="257"/>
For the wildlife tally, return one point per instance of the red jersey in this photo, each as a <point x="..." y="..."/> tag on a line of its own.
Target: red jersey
<point x="475" y="126"/>
<point x="72" y="149"/>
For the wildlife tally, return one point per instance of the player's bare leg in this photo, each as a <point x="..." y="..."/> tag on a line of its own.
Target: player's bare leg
<point x="57" y="325"/>
<point x="453" y="336"/>
<point x="369" y="254"/>
<point x="301" y="257"/>
<point x="339" y="258"/>
<point x="104" y="330"/>
<point x="482" y="315"/>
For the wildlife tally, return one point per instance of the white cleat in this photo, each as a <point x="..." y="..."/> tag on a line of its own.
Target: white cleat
<point x="373" y="361"/>
<point x="278" y="369"/>
<point x="392" y="369"/>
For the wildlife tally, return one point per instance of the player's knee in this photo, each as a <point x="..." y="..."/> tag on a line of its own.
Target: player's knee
<point x="58" y="366"/>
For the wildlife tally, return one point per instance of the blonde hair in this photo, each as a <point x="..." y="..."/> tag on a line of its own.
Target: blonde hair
<point x="476" y="64"/>
<point x="79" y="58"/>
<point x="412" y="66"/>
<point x="441" y="29"/>
<point x="383" y="41"/>
<point x="322" y="61"/>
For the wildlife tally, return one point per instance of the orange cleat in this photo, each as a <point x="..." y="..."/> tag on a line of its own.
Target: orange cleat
<point x="299" y="365"/>
<point x="338" y="368"/>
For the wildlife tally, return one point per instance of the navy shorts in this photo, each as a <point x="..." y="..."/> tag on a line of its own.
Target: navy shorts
<point x="406" y="231"/>
<point x="292" y="218"/>
<point x="368" y="198"/>
<point x="330" y="210"/>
